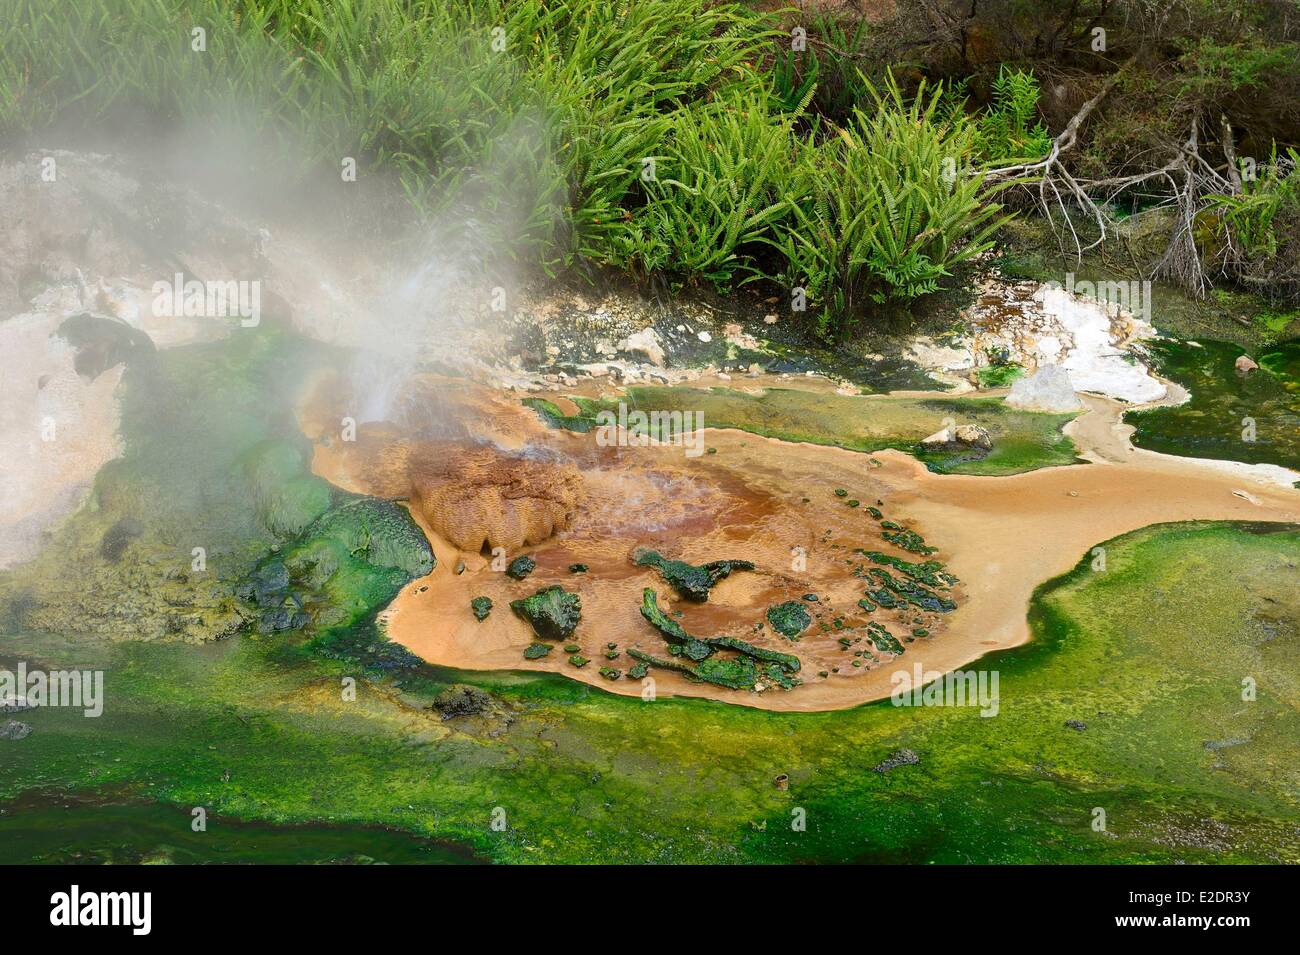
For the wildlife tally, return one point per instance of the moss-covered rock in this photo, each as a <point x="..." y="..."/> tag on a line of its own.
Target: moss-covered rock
<point x="736" y="673"/>
<point x="692" y="582"/>
<point x="911" y="592"/>
<point x="351" y="559"/>
<point x="521" y="567"/>
<point x="377" y="532"/>
<point x="789" y="619"/>
<point x="908" y="540"/>
<point x="929" y="572"/>
<point x="552" y="612"/>
<point x="535" y="651"/>
<point x="670" y="628"/>
<point x="884" y="640"/>
<point x="701" y="649"/>
<point x="460" y="699"/>
<point x="482" y="606"/>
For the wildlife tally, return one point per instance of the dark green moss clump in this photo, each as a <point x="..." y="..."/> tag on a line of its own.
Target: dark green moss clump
<point x="908" y="540"/>
<point x="535" y="651"/>
<point x="884" y="598"/>
<point x="552" y="612"/>
<point x="353" y="557"/>
<point x="930" y="572"/>
<point x="913" y="593"/>
<point x="692" y="582"/>
<point x="738" y="673"/>
<point x="482" y="606"/>
<point x="268" y="588"/>
<point x="521" y="567"/>
<point x="577" y="568"/>
<point x="724" y="672"/>
<point x="885" y="641"/>
<point x="610" y="673"/>
<point x="783" y="660"/>
<point x="673" y="632"/>
<point x="789" y="619"/>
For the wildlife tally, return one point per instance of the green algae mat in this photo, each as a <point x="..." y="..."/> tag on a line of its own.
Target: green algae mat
<point x="1150" y="657"/>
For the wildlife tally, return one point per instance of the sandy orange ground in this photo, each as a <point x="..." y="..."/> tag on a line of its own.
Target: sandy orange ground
<point x="1002" y="536"/>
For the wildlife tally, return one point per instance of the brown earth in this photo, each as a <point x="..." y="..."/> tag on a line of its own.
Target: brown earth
<point x="760" y="499"/>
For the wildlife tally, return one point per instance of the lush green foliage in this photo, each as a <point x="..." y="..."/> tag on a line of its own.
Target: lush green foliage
<point x="640" y="136"/>
<point x="1251" y="216"/>
<point x="1010" y="130"/>
<point x="893" y="205"/>
<point x="1255" y="233"/>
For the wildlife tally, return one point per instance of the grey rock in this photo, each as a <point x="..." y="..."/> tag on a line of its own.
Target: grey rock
<point x="14" y="730"/>
<point x="901" y="757"/>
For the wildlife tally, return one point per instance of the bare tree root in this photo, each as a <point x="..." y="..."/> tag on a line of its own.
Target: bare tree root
<point x="1189" y="177"/>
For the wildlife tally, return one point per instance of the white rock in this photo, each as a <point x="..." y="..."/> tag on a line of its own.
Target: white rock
<point x="1048" y="389"/>
<point x="705" y="337"/>
<point x="645" y="342"/>
<point x="940" y="439"/>
<point x="1098" y="334"/>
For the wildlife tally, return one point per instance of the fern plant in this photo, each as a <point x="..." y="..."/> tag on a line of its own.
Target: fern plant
<point x="892" y="206"/>
<point x="1249" y="217"/>
<point x="1007" y="130"/>
<point x="723" y="185"/>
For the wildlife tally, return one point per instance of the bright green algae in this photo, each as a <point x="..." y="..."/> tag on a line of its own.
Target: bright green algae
<point x="1149" y="654"/>
<point x="679" y="780"/>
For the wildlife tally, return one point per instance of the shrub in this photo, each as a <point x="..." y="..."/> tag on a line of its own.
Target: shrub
<point x="534" y="140"/>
